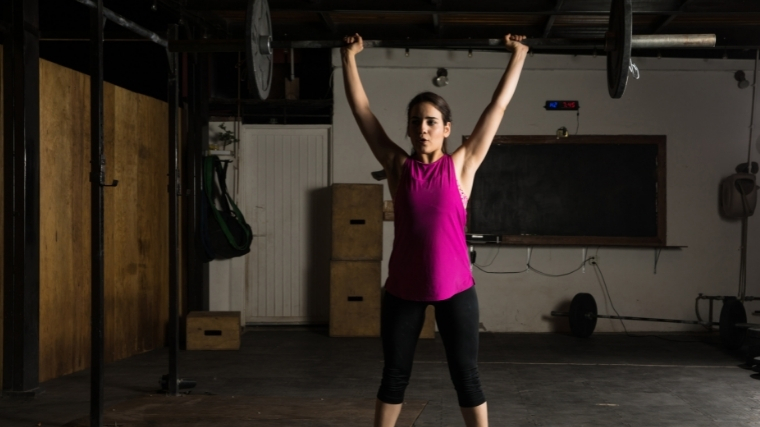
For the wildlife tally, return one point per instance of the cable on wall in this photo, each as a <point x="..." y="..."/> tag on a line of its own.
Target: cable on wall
<point x="752" y="111"/>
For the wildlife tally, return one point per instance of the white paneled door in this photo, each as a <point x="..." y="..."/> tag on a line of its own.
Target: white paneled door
<point x="283" y="186"/>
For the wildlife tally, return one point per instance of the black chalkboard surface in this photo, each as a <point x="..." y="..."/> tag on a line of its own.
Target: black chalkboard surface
<point x="581" y="190"/>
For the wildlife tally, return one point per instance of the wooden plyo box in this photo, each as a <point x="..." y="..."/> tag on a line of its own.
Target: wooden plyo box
<point x="355" y="299"/>
<point x="213" y="330"/>
<point x="357" y="222"/>
<point x="428" y="328"/>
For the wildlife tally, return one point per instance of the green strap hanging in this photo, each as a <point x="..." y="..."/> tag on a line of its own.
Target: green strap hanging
<point x="211" y="164"/>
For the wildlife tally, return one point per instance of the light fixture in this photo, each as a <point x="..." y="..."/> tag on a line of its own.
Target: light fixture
<point x="155" y="6"/>
<point x="441" y="78"/>
<point x="741" y="78"/>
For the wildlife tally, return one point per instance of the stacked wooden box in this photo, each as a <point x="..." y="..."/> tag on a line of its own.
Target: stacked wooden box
<point x="357" y="251"/>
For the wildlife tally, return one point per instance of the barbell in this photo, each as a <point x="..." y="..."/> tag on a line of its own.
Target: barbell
<point x="732" y="325"/>
<point x="618" y="42"/>
<point x="259" y="45"/>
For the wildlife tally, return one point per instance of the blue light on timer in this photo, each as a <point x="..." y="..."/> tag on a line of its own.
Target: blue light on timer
<point x="562" y="105"/>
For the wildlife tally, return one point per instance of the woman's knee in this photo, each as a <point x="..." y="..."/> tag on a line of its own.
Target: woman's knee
<point x="393" y="385"/>
<point x="467" y="385"/>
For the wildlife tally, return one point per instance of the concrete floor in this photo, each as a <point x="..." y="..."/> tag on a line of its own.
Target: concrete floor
<point x="529" y="379"/>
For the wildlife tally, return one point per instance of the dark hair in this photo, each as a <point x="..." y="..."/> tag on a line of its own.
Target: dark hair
<point x="438" y="102"/>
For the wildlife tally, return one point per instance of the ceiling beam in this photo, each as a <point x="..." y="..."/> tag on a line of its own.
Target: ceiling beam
<point x="550" y="21"/>
<point x="667" y="20"/>
<point x="437" y="25"/>
<point x="328" y="22"/>
<point x="216" y="26"/>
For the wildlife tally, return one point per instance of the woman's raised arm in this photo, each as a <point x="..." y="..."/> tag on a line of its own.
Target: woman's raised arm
<point x="476" y="147"/>
<point x="385" y="150"/>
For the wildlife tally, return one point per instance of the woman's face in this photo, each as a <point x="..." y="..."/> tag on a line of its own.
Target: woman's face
<point x="426" y="128"/>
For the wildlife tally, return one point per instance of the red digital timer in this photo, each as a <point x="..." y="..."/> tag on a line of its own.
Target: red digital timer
<point x="562" y="105"/>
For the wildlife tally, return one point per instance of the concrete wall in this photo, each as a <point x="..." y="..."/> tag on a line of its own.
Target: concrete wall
<point x="695" y="102"/>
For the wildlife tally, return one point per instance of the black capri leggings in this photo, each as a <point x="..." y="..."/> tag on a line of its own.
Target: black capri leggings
<point x="458" y="321"/>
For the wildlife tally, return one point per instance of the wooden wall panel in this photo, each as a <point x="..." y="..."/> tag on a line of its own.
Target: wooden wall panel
<point x="136" y="225"/>
<point x="64" y="221"/>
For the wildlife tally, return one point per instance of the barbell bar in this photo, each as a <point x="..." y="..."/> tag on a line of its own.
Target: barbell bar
<point x="618" y="42"/>
<point x="733" y="319"/>
<point x="647" y="319"/>
<point x="644" y="41"/>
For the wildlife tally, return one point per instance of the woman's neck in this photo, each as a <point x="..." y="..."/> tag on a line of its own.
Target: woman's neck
<point x="429" y="157"/>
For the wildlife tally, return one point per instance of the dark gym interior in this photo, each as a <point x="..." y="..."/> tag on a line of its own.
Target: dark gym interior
<point x="115" y="311"/>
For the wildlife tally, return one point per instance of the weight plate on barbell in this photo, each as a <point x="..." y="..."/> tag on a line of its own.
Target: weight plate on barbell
<point x="258" y="27"/>
<point x="619" y="35"/>
<point x="732" y="314"/>
<point x="583" y="315"/>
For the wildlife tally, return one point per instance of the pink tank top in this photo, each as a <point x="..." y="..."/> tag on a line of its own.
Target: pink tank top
<point x="429" y="261"/>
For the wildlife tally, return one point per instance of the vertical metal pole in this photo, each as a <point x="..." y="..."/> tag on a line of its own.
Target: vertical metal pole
<point x="710" y="327"/>
<point x="97" y="178"/>
<point x="8" y="191"/>
<point x="190" y="183"/>
<point x="21" y="199"/>
<point x="205" y="95"/>
<point x="173" y="381"/>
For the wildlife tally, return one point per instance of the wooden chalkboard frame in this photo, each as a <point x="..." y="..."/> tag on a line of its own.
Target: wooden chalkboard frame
<point x="654" y="241"/>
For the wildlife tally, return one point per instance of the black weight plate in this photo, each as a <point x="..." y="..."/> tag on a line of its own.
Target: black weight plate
<point x="618" y="59"/>
<point x="732" y="313"/>
<point x="582" y="325"/>
<point x="258" y="25"/>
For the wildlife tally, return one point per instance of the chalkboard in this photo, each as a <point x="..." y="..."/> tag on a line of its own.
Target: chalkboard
<point x="581" y="190"/>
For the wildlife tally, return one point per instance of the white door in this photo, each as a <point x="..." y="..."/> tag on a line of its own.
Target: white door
<point x="284" y="178"/>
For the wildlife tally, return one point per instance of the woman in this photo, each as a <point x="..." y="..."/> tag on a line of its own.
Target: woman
<point x="429" y="263"/>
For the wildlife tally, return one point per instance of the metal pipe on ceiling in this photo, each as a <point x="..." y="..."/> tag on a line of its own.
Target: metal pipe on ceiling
<point x="126" y="23"/>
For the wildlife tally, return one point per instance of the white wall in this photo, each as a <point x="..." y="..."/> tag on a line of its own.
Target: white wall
<point x="695" y="102"/>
